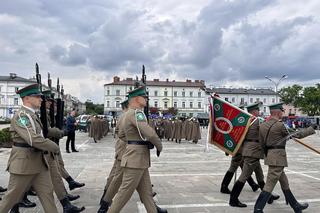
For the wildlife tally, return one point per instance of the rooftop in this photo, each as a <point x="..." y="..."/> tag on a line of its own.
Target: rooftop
<point x="14" y="77"/>
<point x="257" y="91"/>
<point x="157" y="82"/>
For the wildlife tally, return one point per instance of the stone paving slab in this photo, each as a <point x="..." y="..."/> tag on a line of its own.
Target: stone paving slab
<point x="186" y="178"/>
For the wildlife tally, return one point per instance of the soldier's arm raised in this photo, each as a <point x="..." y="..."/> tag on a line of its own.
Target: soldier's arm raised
<point x="23" y="127"/>
<point x="139" y="120"/>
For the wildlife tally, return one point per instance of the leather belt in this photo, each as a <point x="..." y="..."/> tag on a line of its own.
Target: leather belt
<point x="139" y="142"/>
<point x="256" y="141"/>
<point x="22" y="145"/>
<point x="276" y="147"/>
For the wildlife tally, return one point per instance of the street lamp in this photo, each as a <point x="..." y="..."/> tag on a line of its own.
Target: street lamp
<point x="276" y="84"/>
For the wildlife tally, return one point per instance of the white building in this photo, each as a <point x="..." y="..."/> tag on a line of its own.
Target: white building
<point x="188" y="96"/>
<point x="10" y="101"/>
<point x="243" y="96"/>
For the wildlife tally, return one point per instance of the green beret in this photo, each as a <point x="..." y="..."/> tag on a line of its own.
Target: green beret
<point x="277" y="106"/>
<point x="140" y="91"/>
<point x="31" y="90"/>
<point x="255" y="106"/>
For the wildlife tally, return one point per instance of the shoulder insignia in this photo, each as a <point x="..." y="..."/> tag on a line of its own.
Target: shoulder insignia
<point x="23" y="121"/>
<point x="140" y="116"/>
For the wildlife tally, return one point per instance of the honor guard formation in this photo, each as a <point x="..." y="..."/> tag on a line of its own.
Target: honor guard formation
<point x="36" y="166"/>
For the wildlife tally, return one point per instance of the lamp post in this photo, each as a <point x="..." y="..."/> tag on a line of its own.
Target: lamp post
<point x="276" y="84"/>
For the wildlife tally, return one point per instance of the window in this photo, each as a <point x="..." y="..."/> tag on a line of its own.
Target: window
<point x="15" y="101"/>
<point x="155" y="93"/>
<point x="175" y="93"/>
<point x="183" y="105"/>
<point x="273" y="100"/>
<point x="165" y="93"/>
<point x="108" y="104"/>
<point x="226" y="99"/>
<point x="0" y="88"/>
<point x="264" y="100"/>
<point x="191" y="114"/>
<point x="199" y="105"/>
<point x="108" y="92"/>
<point x="130" y="88"/>
<point x="183" y="114"/>
<point x="183" y="94"/>
<point x="16" y="89"/>
<point x="175" y="105"/>
<point x="166" y="104"/>
<point x="117" y="104"/>
<point x="264" y="109"/>
<point x="257" y="99"/>
<point x="191" y="105"/>
<point x="251" y="100"/>
<point x="118" y="92"/>
<point x="199" y="94"/>
<point x="191" y="94"/>
<point x="242" y="101"/>
<point x="233" y="99"/>
<point x="156" y="104"/>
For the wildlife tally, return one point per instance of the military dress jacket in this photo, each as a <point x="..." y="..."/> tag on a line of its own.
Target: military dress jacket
<point x="251" y="146"/>
<point x="26" y="131"/>
<point x="121" y="143"/>
<point x="276" y="137"/>
<point x="136" y="128"/>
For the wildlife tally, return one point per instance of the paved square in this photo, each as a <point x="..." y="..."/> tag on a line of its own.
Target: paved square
<point x="186" y="178"/>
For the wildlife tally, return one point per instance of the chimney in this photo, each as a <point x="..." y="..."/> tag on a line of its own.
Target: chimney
<point x="188" y="81"/>
<point x="156" y="80"/>
<point x="202" y="82"/>
<point x="13" y="75"/>
<point x="173" y="80"/>
<point x="196" y="81"/>
<point x="167" y="80"/>
<point x="116" y="79"/>
<point x="129" y="79"/>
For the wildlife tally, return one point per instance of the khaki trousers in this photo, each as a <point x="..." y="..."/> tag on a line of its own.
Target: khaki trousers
<point x="62" y="170"/>
<point x="275" y="174"/>
<point x="115" y="183"/>
<point x="251" y="165"/>
<point x="138" y="179"/>
<point x="19" y="184"/>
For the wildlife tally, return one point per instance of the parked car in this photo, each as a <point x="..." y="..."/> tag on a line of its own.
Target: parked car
<point x="83" y="123"/>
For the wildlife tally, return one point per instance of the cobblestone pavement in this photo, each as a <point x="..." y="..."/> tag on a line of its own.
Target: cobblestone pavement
<point x="186" y="178"/>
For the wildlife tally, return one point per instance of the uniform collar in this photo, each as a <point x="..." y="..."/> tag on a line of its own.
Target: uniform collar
<point x="29" y="108"/>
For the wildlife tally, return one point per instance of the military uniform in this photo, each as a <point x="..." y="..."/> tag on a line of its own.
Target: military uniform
<point x="27" y="165"/>
<point x="273" y="135"/>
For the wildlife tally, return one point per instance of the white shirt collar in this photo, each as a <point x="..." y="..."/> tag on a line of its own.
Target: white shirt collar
<point x="32" y="110"/>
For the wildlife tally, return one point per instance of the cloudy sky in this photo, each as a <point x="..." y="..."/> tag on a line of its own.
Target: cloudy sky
<point x="224" y="42"/>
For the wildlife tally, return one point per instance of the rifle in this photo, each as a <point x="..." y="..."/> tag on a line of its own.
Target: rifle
<point x="43" y="110"/>
<point x="144" y="81"/>
<point x="51" y="110"/>
<point x="59" y="115"/>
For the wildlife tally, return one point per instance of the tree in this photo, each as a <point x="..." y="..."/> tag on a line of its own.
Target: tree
<point x="92" y="108"/>
<point x="291" y="95"/>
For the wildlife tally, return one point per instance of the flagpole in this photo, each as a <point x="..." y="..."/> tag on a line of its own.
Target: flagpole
<point x="206" y="149"/>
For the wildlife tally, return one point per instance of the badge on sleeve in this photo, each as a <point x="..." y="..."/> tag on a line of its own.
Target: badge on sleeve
<point x="140" y="116"/>
<point x="23" y="121"/>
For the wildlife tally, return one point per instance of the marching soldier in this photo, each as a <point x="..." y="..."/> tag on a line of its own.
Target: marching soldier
<point x="252" y="153"/>
<point x="273" y="136"/>
<point x="136" y="158"/>
<point x="236" y="162"/>
<point x="27" y="165"/>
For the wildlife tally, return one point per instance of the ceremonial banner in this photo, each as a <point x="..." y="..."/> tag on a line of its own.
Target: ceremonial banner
<point x="229" y="125"/>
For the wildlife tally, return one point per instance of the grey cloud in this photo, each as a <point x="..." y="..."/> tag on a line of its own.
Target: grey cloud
<point x="74" y="55"/>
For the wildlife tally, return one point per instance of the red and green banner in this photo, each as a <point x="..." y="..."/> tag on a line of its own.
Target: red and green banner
<point x="228" y="125"/>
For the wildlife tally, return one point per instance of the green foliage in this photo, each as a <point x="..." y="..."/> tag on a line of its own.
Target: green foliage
<point x="5" y="135"/>
<point x="94" y="109"/>
<point x="307" y="99"/>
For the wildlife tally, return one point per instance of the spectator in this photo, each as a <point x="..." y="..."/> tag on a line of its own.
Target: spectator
<point x="71" y="128"/>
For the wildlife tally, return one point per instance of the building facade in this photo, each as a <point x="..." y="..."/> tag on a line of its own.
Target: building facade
<point x="11" y="102"/>
<point x="188" y="96"/>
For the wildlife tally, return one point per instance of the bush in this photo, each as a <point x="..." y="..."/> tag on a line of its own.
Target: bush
<point x="5" y="136"/>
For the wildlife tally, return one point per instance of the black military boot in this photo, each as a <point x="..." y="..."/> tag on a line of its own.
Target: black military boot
<point x="234" y="196"/>
<point x="3" y="189"/>
<point x="261" y="202"/>
<point x="160" y="210"/>
<point x="225" y="183"/>
<point x="297" y="207"/>
<point x="73" y="197"/>
<point x="252" y="184"/>
<point x="15" y="209"/>
<point x="73" y="184"/>
<point x="32" y="193"/>
<point x="101" y="199"/>
<point x="273" y="196"/>
<point x="26" y="203"/>
<point x="104" y="206"/>
<point x="69" y="208"/>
